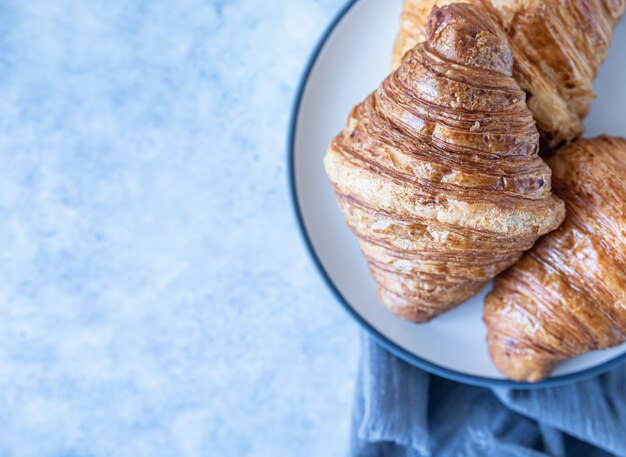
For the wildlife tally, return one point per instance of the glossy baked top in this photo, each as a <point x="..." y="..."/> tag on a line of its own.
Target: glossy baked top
<point x="567" y="295"/>
<point x="437" y="171"/>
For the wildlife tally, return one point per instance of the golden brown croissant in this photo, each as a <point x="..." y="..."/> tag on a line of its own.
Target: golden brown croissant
<point x="437" y="171"/>
<point x="567" y="296"/>
<point x="558" y="47"/>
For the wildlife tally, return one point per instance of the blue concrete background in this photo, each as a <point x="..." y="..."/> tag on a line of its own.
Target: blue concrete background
<point x="155" y="296"/>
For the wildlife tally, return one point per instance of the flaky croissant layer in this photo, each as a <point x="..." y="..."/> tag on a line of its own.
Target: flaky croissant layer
<point x="437" y="171"/>
<point x="558" y="46"/>
<point x="567" y="296"/>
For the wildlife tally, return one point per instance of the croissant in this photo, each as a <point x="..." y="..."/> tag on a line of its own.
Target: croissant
<point x="558" y="46"/>
<point x="437" y="171"/>
<point x="567" y="296"/>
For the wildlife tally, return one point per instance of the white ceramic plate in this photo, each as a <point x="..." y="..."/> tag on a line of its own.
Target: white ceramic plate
<point x="352" y="58"/>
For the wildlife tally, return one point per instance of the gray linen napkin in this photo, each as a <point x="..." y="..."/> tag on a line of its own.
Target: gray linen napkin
<point x="400" y="410"/>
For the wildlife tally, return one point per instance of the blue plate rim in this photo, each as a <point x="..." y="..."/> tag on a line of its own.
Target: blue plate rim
<point x="385" y="342"/>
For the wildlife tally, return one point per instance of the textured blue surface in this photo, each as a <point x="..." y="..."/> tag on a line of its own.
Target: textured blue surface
<point x="156" y="298"/>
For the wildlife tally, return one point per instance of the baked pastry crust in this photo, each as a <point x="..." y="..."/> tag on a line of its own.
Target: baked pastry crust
<point x="437" y="171"/>
<point x="558" y="46"/>
<point x="567" y="296"/>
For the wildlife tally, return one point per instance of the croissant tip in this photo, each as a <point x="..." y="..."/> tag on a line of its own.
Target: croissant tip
<point x="513" y="359"/>
<point x="407" y="310"/>
<point x="465" y="34"/>
<point x="520" y="368"/>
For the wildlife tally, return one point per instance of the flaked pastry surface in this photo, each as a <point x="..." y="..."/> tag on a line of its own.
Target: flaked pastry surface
<point x="558" y="47"/>
<point x="567" y="296"/>
<point x="437" y="171"/>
